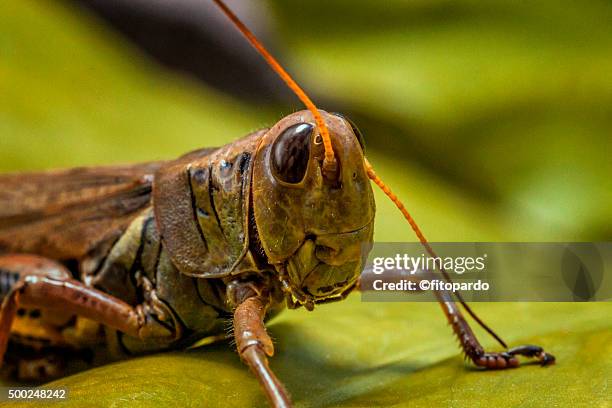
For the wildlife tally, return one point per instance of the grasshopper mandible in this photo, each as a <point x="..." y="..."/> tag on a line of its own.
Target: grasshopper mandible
<point x="162" y="254"/>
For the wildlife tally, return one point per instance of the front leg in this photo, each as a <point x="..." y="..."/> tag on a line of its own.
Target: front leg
<point x="469" y="343"/>
<point x="472" y="348"/>
<point x="253" y="342"/>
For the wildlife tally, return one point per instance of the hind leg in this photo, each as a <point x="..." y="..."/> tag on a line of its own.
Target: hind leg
<point x="40" y="283"/>
<point x="37" y="349"/>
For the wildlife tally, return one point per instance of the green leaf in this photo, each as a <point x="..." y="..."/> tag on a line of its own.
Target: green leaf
<point x="355" y="354"/>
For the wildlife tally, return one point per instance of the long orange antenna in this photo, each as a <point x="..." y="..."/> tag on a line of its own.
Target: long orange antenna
<point x="372" y="175"/>
<point x="329" y="162"/>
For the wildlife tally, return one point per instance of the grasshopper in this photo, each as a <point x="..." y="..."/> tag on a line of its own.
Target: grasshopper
<point x="155" y="256"/>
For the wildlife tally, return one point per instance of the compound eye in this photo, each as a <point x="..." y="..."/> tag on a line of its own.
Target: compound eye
<point x="290" y="153"/>
<point x="355" y="129"/>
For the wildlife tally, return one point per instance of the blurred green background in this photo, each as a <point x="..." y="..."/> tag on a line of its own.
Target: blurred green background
<point x="491" y="120"/>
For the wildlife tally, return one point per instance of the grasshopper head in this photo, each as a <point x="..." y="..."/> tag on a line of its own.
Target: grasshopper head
<point x="315" y="228"/>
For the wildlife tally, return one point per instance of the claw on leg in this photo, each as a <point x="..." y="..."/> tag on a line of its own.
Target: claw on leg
<point x="533" y="351"/>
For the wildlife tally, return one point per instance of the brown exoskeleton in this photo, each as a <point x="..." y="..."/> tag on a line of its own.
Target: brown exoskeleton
<point x="157" y="255"/>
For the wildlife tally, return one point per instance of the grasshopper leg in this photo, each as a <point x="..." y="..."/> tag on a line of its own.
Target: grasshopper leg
<point x="474" y="350"/>
<point x="255" y="346"/>
<point x="467" y="339"/>
<point x="40" y="285"/>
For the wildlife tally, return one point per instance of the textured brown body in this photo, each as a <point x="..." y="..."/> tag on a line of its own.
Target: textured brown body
<point x="173" y="235"/>
<point x="104" y="225"/>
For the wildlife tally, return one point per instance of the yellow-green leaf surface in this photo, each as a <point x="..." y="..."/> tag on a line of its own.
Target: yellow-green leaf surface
<point x="73" y="93"/>
<point x="357" y="354"/>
